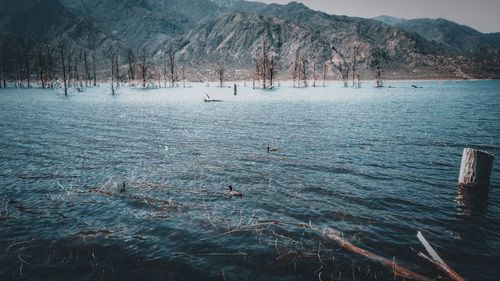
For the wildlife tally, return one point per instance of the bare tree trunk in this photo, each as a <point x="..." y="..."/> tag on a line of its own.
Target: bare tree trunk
<point x="131" y="64"/>
<point x="219" y="72"/>
<point x="143" y="66"/>
<point x="40" y="65"/>
<point x="77" y="75"/>
<point x="113" y="72"/>
<point x="62" y="53"/>
<point x="117" y="70"/>
<point x="70" y="69"/>
<point x="2" y="64"/>
<point x="264" y="63"/>
<point x="171" y="67"/>
<point x="86" y="66"/>
<point x="49" y="64"/>
<point x="325" y="71"/>
<point x="183" y="76"/>
<point x="271" y="72"/>
<point x="94" y="67"/>
<point x="304" y="71"/>
<point x="26" y="45"/>
<point x="17" y="70"/>
<point x="164" y="69"/>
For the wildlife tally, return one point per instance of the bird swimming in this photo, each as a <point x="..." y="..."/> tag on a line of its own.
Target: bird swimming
<point x="269" y="149"/>
<point x="234" y="192"/>
<point x="123" y="189"/>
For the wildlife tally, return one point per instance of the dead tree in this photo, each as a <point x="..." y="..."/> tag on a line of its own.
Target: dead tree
<point x="117" y="68"/>
<point x="131" y="64"/>
<point x="378" y="60"/>
<point x="164" y="69"/>
<point x="219" y="72"/>
<point x="143" y="66"/>
<point x="18" y="69"/>
<point x="41" y="63"/>
<point x="94" y="67"/>
<point x="354" y="65"/>
<point x="265" y="67"/>
<point x="158" y="73"/>
<point x="325" y="73"/>
<point x="62" y="53"/>
<point x="70" y="68"/>
<point x="341" y="62"/>
<point x="295" y="69"/>
<point x="94" y="60"/>
<point x="86" y="67"/>
<point x="264" y="64"/>
<point x="183" y="74"/>
<point x="49" y="63"/>
<point x="256" y="74"/>
<point x="76" y="76"/>
<point x="2" y="64"/>
<point x="27" y="45"/>
<point x="273" y="70"/>
<point x="303" y="70"/>
<point x="315" y="77"/>
<point x="171" y="67"/>
<point x="113" y="71"/>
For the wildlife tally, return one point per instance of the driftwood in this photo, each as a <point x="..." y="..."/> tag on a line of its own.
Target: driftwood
<point x="398" y="270"/>
<point x="436" y="260"/>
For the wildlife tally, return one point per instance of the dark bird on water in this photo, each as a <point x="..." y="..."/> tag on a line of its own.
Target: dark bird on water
<point x="270" y="149"/>
<point x="123" y="189"/>
<point x="234" y="192"/>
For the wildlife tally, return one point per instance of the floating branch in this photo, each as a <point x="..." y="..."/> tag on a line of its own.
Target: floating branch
<point x="398" y="270"/>
<point x="436" y="259"/>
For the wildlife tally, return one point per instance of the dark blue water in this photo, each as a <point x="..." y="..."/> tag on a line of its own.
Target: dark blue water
<point x="376" y="164"/>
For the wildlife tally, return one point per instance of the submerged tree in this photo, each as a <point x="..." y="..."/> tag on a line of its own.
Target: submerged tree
<point x="325" y="73"/>
<point x="355" y="61"/>
<point x="265" y="66"/>
<point x="183" y="76"/>
<point x="117" y="68"/>
<point x="378" y="60"/>
<point x="27" y="46"/>
<point x="113" y="70"/>
<point x="2" y="64"/>
<point x="219" y="72"/>
<point x="62" y="53"/>
<point x="303" y="71"/>
<point x="295" y="69"/>
<point x="86" y="67"/>
<point x="41" y="64"/>
<point x="172" y="67"/>
<point x="143" y="66"/>
<point x="341" y="62"/>
<point x="50" y="64"/>
<point x="131" y="61"/>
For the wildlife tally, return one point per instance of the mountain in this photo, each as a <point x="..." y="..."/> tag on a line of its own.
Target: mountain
<point x="204" y="32"/>
<point x="459" y="38"/>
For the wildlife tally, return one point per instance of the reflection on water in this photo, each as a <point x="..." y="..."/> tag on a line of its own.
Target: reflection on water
<point x="472" y="203"/>
<point x="376" y="164"/>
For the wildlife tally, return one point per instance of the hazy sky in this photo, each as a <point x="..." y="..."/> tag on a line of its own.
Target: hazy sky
<point x="483" y="15"/>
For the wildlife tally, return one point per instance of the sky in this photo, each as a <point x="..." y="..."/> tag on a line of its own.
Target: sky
<point x="483" y="15"/>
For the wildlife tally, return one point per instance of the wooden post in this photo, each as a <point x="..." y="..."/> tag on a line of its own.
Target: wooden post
<point x="235" y="89"/>
<point x="475" y="170"/>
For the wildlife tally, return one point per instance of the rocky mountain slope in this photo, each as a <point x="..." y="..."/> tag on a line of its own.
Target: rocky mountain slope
<point x="204" y="32"/>
<point x="459" y="38"/>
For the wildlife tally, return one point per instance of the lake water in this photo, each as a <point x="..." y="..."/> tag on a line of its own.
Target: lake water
<point x="377" y="165"/>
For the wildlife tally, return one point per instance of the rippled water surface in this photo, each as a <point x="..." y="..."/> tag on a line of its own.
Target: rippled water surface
<point x="375" y="164"/>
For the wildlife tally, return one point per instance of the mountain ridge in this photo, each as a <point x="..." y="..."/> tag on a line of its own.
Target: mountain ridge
<point x="204" y="32"/>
